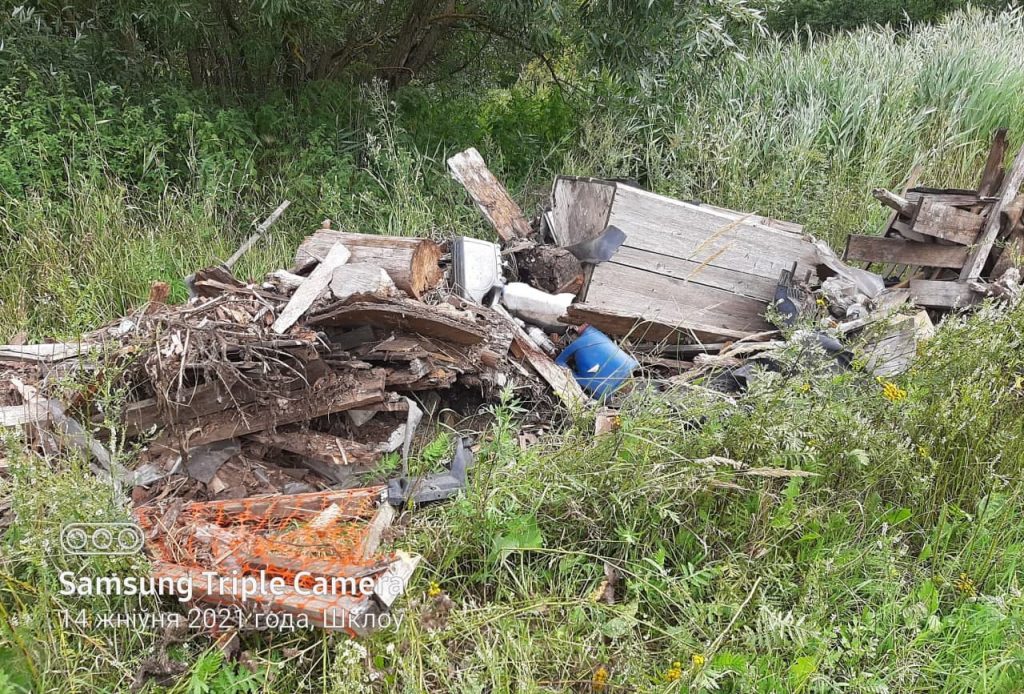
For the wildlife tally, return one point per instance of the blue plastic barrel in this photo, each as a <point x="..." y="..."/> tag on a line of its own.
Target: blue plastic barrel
<point x="598" y="364"/>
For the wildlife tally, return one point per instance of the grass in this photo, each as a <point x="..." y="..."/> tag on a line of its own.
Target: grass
<point x="875" y="547"/>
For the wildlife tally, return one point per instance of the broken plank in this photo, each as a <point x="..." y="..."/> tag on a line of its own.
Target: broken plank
<point x="579" y="208"/>
<point x="19" y="415"/>
<point x="948" y="223"/>
<point x="1011" y="187"/>
<point x="312" y="289"/>
<point x="992" y="174"/>
<point x="900" y="204"/>
<point x="490" y="196"/>
<point x="558" y="377"/>
<point x="875" y="249"/>
<point x="57" y="351"/>
<point x="411" y="263"/>
<point x="954" y="197"/>
<point x="942" y="294"/>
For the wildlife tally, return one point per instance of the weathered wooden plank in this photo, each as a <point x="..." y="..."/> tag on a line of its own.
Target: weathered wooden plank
<point x="18" y="415"/>
<point x="579" y="208"/>
<point x="1012" y="182"/>
<point x="312" y="289"/>
<point x="939" y="294"/>
<point x="992" y="174"/>
<point x="561" y="380"/>
<point x="675" y="302"/>
<point x="953" y="197"/>
<point x="703" y="274"/>
<point x="490" y="196"/>
<point x="56" y="351"/>
<point x="900" y="204"/>
<point x="881" y="250"/>
<point x="640" y="329"/>
<point x="699" y="234"/>
<point x="947" y="223"/>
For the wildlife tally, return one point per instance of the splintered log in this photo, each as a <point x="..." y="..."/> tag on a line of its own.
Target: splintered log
<point x="412" y="263"/>
<point x="875" y="249"/>
<point x="1011" y="187"/>
<point x="947" y="223"/>
<point x="490" y="196"/>
<point x="318" y="446"/>
<point x="405" y="315"/>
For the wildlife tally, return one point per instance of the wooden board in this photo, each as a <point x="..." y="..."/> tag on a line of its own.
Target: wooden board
<point x="673" y="302"/>
<point x="312" y="289"/>
<point x="875" y="249"/>
<point x="579" y="209"/>
<point x="706" y="275"/>
<point x="490" y="196"/>
<point x="1011" y="187"/>
<point x="701" y="235"/>
<point x="939" y="294"/>
<point x="948" y="223"/>
<point x="56" y="351"/>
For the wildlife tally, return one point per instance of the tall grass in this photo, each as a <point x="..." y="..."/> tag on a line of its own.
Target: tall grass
<point x="805" y="130"/>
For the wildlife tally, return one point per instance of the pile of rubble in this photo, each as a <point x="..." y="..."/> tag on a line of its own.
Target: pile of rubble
<point x="261" y="411"/>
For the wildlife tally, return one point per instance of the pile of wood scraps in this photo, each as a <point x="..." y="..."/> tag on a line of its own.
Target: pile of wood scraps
<point x="952" y="247"/>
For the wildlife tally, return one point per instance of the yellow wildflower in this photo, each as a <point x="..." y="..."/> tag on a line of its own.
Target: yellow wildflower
<point x="804" y="387"/>
<point x="600" y="679"/>
<point x="697" y="661"/>
<point x="821" y="302"/>
<point x="892" y="392"/>
<point x="965" y="585"/>
<point x="434" y="590"/>
<point x="674" y="672"/>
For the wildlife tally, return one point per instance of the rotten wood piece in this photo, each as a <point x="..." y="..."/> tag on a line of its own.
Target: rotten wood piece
<point x="992" y="174"/>
<point x="550" y="268"/>
<point x="411" y="263"/>
<point x="318" y="446"/>
<point x="490" y="196"/>
<point x="312" y="289"/>
<point x="896" y="202"/>
<point x="892" y="352"/>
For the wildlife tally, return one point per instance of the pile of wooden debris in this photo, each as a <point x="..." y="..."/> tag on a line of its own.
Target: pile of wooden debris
<point x="258" y="412"/>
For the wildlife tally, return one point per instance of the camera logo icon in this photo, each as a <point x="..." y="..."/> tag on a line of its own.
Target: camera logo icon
<point x="101" y="538"/>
